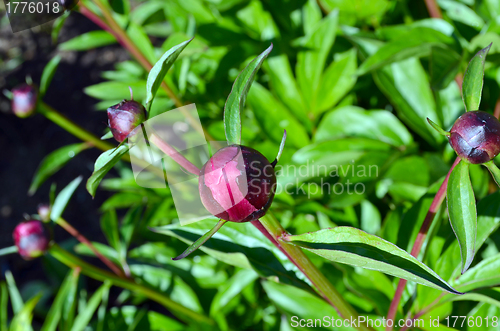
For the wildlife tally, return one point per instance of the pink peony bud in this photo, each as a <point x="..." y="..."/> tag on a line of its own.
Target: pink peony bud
<point x="124" y="117"/>
<point x="31" y="239"/>
<point x="237" y="184"/>
<point x="44" y="212"/>
<point x="475" y="137"/>
<point x="24" y="98"/>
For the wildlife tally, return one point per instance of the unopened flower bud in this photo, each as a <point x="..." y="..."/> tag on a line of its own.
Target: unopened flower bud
<point x="31" y="239"/>
<point x="475" y="137"/>
<point x="237" y="184"/>
<point x="44" y="212"/>
<point x="24" y="98"/>
<point x="124" y="117"/>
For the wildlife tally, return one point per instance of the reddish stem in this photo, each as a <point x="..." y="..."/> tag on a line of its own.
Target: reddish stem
<point x="81" y="238"/>
<point x="174" y="154"/>
<point x="497" y="109"/>
<point x="419" y="241"/>
<point x="433" y="9"/>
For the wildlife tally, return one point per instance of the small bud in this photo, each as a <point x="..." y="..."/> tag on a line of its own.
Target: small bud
<point x="31" y="239"/>
<point x="44" y="212"/>
<point x="237" y="184"/>
<point x="124" y="117"/>
<point x="475" y="137"/>
<point x="24" y="98"/>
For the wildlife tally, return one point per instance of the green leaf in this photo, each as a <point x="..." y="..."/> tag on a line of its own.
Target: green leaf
<point x="354" y="121"/>
<point x="103" y="164"/>
<point x="405" y="84"/>
<point x="312" y="59"/>
<point x="84" y="317"/>
<point x="159" y="70"/>
<point x="109" y="226"/>
<point x="4" y="300"/>
<point x="472" y="86"/>
<point x="58" y="24"/>
<point x="89" y="40"/>
<point x="444" y="64"/>
<point x="56" y="309"/>
<point x="142" y="41"/>
<point x="300" y="303"/>
<point x="241" y="245"/>
<point x="273" y="117"/>
<point x="415" y="43"/>
<point x="48" y="73"/>
<point x="53" y="162"/>
<point x="22" y="319"/>
<point x="236" y="100"/>
<point x="462" y="211"/>
<point x="63" y="198"/>
<point x="231" y="289"/>
<point x="15" y="297"/>
<point x="495" y="172"/>
<point x="360" y="249"/>
<point x="337" y="80"/>
<point x="484" y="274"/>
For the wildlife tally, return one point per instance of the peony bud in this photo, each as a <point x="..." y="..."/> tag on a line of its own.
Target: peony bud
<point x="24" y="98"/>
<point x="124" y="117"/>
<point x="237" y="184"/>
<point x="31" y="239"/>
<point x="475" y="137"/>
<point x="44" y="212"/>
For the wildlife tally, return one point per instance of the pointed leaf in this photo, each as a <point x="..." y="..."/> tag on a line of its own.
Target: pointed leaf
<point x="462" y="211"/>
<point x="236" y="100"/>
<point x="159" y="70"/>
<point x="84" y="317"/>
<point x="15" y="297"/>
<point x="103" y="164"/>
<point x="357" y="248"/>
<point x="89" y="40"/>
<point x="54" y="315"/>
<point x="22" y="320"/>
<point x="495" y="172"/>
<point x="63" y="198"/>
<point x="53" y="162"/>
<point x="472" y="87"/>
<point x="48" y="73"/>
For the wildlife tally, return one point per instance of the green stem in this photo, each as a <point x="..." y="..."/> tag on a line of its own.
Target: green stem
<point x="495" y="172"/>
<point x="183" y="313"/>
<point x="71" y="127"/>
<point x="8" y="250"/>
<point x="300" y="259"/>
<point x="203" y="239"/>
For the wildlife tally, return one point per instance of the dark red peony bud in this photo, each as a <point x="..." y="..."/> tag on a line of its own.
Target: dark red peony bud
<point x="31" y="239"/>
<point x="475" y="137"/>
<point x="124" y="117"/>
<point x="24" y="98"/>
<point x="237" y="184"/>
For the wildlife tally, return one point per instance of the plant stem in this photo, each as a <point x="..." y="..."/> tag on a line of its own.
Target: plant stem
<point x="174" y="154"/>
<point x="81" y="238"/>
<point x="419" y="241"/>
<point x="59" y="119"/>
<point x="183" y="313"/>
<point x="300" y="259"/>
<point x="8" y="250"/>
<point x="203" y="239"/>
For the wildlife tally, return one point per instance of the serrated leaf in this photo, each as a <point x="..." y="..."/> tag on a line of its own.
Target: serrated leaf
<point x="103" y="164"/>
<point x="357" y="248"/>
<point x="462" y="212"/>
<point x="89" y="40"/>
<point x="472" y="86"/>
<point x="53" y="162"/>
<point x="48" y="73"/>
<point x="63" y="198"/>
<point x="236" y="100"/>
<point x="159" y="70"/>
